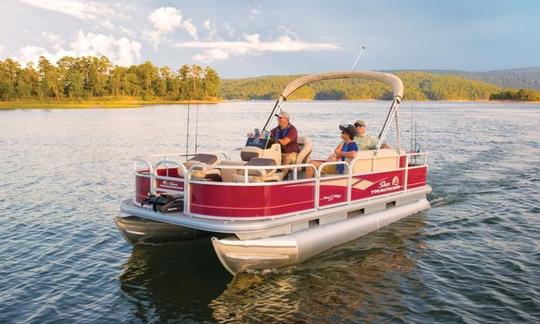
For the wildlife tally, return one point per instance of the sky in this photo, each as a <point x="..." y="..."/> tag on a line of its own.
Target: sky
<point x="252" y="38"/>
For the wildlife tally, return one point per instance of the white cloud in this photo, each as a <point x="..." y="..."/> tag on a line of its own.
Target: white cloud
<point x="230" y="31"/>
<point x="107" y="24"/>
<point x="255" y="12"/>
<point x="165" y="20"/>
<point x="120" y="51"/>
<point x="210" y="28"/>
<point x="127" y="31"/>
<point x="53" y="39"/>
<point x="81" y="9"/>
<point x="212" y="55"/>
<point x="190" y="28"/>
<point x="251" y="45"/>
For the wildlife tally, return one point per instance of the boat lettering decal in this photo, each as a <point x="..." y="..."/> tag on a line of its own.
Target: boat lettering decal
<point x="331" y="197"/>
<point x="386" y="186"/>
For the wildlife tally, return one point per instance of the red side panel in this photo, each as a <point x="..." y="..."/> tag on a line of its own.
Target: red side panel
<point x="377" y="184"/>
<point x="169" y="184"/>
<point x="142" y="186"/>
<point x="402" y="161"/>
<point x="251" y="201"/>
<point x="332" y="192"/>
<point x="417" y="177"/>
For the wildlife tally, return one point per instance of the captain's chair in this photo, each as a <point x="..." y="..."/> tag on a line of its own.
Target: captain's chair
<point x="305" y="150"/>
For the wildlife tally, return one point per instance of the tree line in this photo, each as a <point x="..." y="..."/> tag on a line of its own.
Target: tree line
<point x="418" y="86"/>
<point x="81" y="78"/>
<point x="516" y="95"/>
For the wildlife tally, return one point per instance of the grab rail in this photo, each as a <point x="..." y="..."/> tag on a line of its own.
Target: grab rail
<point x="186" y="173"/>
<point x="149" y="175"/>
<point x="246" y="168"/>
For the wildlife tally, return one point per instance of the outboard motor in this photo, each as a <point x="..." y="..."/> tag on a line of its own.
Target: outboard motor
<point x="164" y="203"/>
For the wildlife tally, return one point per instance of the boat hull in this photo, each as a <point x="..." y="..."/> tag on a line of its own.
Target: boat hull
<point x="285" y="250"/>
<point x="140" y="231"/>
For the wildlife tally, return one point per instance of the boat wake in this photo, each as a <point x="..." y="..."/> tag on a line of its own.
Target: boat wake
<point x="440" y="199"/>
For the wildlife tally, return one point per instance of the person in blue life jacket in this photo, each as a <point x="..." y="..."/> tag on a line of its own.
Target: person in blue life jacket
<point x="345" y="150"/>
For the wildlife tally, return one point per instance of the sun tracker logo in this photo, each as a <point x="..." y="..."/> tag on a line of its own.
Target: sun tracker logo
<point x="387" y="186"/>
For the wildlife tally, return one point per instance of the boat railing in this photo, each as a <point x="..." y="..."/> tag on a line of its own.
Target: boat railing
<point x="247" y="168"/>
<point x="146" y="172"/>
<point x="169" y="156"/>
<point x="403" y="163"/>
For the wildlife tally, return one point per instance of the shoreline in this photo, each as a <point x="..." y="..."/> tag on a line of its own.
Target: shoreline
<point x="92" y="104"/>
<point x="119" y="104"/>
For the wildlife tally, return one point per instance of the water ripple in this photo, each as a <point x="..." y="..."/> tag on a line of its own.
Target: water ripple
<point x="474" y="257"/>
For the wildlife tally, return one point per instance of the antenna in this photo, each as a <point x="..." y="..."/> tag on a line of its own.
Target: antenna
<point x="187" y="129"/>
<point x="412" y="125"/>
<point x="196" y="128"/>
<point x="358" y="57"/>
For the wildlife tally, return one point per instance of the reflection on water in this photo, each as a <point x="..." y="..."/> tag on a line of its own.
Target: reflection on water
<point x="173" y="280"/>
<point x="333" y="286"/>
<point x="181" y="281"/>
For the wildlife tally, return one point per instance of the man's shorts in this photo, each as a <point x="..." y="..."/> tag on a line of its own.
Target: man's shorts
<point x="289" y="158"/>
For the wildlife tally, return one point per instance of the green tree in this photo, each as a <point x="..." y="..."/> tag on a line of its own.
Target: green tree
<point x="211" y="83"/>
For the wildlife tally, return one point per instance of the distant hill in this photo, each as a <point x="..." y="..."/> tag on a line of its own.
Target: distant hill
<point x="526" y="78"/>
<point x="419" y="85"/>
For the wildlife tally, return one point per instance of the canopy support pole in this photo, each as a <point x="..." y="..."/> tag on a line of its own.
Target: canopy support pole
<point x="387" y="122"/>
<point x="278" y="102"/>
<point x="398" y="137"/>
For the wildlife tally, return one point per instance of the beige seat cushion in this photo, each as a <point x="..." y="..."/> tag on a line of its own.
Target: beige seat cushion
<point x="227" y="174"/>
<point x="384" y="160"/>
<point x="258" y="175"/>
<point x="305" y="150"/>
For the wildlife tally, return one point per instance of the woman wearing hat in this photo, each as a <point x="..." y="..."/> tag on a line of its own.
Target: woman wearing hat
<point x="346" y="149"/>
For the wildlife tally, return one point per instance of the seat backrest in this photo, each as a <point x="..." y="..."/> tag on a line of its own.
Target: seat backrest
<point x="249" y="152"/>
<point x="305" y="149"/>
<point x="385" y="160"/>
<point x="273" y="152"/>
<point x="205" y="158"/>
<point x="260" y="162"/>
<point x="227" y="175"/>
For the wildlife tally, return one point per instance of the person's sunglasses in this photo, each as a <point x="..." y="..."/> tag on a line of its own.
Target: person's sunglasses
<point x="358" y="125"/>
<point x="279" y="117"/>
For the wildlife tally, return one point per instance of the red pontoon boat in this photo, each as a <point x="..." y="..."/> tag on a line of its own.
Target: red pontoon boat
<point x="259" y="218"/>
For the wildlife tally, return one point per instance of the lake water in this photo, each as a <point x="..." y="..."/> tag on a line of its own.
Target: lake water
<point x="473" y="257"/>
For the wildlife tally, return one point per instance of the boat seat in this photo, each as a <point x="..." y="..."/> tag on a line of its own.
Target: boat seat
<point x="384" y="160"/>
<point x="208" y="172"/>
<point x="259" y="175"/>
<point x="305" y="150"/>
<point x="227" y="175"/>
<point x="249" y="152"/>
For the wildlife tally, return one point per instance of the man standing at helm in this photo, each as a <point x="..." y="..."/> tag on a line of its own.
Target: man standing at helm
<point x="287" y="136"/>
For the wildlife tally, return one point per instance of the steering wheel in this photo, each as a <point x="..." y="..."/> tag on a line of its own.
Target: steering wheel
<point x="271" y="141"/>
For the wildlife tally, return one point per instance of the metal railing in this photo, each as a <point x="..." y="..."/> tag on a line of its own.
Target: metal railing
<point x="319" y="175"/>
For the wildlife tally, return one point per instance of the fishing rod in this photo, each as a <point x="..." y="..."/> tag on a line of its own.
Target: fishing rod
<point x="412" y="125"/>
<point x="187" y="126"/>
<point x="196" y="128"/>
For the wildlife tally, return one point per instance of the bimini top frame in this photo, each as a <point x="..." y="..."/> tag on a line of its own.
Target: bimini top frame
<point x="387" y="78"/>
